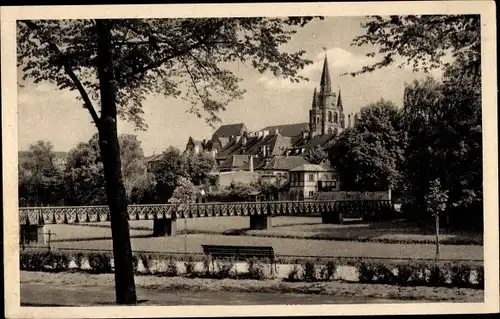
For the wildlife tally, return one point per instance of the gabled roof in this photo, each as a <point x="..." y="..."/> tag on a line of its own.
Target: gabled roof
<point x="327" y="168"/>
<point x="276" y="145"/>
<point x="285" y="163"/>
<point x="281" y="144"/>
<point x="308" y="168"/>
<point x="234" y="161"/>
<point x="288" y="129"/>
<point x="323" y="140"/>
<point x="230" y="130"/>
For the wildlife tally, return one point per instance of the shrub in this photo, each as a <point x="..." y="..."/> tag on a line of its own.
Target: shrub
<point x="135" y="263"/>
<point x="190" y="265"/>
<point x="37" y="261"/>
<point x="330" y="269"/>
<point x="255" y="269"/>
<point x="480" y="276"/>
<point x="146" y="262"/>
<point x="224" y="267"/>
<point x="78" y="258"/>
<point x="172" y="269"/>
<point x="367" y="272"/>
<point x="207" y="260"/>
<point x="408" y="274"/>
<point x="437" y="275"/>
<point x="309" y="267"/>
<point x="460" y="275"/>
<point x="100" y="262"/>
<point x="294" y="274"/>
<point x="57" y="261"/>
<point x="24" y="261"/>
<point x="384" y="274"/>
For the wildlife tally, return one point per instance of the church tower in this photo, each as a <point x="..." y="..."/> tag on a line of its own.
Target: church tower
<point x="327" y="113"/>
<point x="315" y="114"/>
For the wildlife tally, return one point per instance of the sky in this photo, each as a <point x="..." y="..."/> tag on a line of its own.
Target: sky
<point x="46" y="113"/>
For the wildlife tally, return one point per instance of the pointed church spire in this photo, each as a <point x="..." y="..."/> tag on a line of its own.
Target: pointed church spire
<point x="315" y="99"/>
<point x="326" y="83"/>
<point x="339" y="101"/>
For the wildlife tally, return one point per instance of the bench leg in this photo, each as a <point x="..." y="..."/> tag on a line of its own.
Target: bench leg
<point x="259" y="222"/>
<point x="164" y="227"/>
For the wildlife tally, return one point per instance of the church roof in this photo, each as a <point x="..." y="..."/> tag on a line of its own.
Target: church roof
<point x="288" y="129"/>
<point x="230" y="130"/>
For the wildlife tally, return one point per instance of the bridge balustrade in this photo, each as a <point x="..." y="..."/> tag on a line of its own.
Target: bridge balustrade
<point x="166" y="215"/>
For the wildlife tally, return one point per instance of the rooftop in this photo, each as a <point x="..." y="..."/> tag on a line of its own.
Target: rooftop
<point x="285" y="163"/>
<point x="288" y="129"/>
<point x="309" y="168"/>
<point x="230" y="130"/>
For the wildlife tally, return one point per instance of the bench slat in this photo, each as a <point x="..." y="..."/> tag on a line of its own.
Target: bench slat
<point x="239" y="251"/>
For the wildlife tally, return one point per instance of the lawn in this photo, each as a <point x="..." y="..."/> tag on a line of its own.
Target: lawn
<point x="299" y="230"/>
<point x="312" y="228"/>
<point x="287" y="246"/>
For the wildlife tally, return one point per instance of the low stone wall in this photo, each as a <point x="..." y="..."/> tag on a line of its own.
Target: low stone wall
<point x="278" y="271"/>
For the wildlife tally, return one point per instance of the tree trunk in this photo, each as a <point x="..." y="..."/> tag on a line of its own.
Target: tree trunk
<point x="115" y="190"/>
<point x="437" y="236"/>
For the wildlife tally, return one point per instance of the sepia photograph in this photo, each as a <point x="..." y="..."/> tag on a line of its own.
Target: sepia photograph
<point x="337" y="157"/>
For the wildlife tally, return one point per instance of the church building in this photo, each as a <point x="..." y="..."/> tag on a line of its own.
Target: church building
<point x="327" y="113"/>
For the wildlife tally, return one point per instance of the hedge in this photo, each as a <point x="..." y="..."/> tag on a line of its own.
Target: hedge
<point x="404" y="273"/>
<point x="427" y="273"/>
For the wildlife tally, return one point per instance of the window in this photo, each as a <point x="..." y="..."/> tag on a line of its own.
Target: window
<point x="311" y="178"/>
<point x="334" y="184"/>
<point x="330" y="130"/>
<point x="330" y="117"/>
<point x="311" y="194"/>
<point x="336" y="118"/>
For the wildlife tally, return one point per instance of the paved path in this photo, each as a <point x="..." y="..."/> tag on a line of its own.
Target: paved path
<point x="37" y="294"/>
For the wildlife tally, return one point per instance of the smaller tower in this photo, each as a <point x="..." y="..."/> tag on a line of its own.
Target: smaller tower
<point x="315" y="114"/>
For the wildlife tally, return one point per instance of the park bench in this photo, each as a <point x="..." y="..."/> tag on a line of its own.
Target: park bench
<point x="240" y="253"/>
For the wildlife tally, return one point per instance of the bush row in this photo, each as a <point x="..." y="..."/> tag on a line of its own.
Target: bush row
<point x="102" y="262"/>
<point x="308" y="270"/>
<point x="462" y="275"/>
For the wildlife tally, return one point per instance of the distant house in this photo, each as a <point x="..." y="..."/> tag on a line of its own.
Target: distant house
<point x="308" y="179"/>
<point x="153" y="161"/>
<point x="195" y="146"/>
<point x="279" y="166"/>
<point x="60" y="158"/>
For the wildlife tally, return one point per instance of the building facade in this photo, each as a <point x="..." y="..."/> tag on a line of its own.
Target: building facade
<point x="308" y="179"/>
